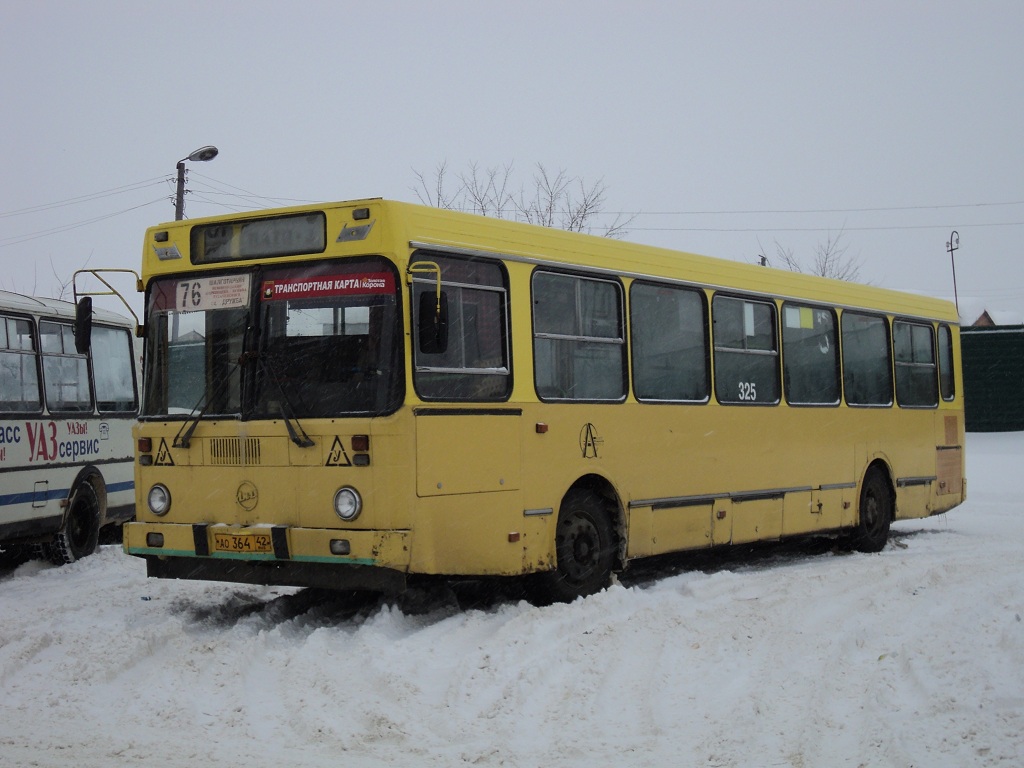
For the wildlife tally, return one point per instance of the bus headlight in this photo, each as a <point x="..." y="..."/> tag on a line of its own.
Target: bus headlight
<point x="159" y="499"/>
<point x="347" y="503"/>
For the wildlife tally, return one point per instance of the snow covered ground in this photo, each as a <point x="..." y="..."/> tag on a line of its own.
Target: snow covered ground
<point x="790" y="656"/>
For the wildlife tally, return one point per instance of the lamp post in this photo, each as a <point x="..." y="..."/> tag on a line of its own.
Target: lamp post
<point x="201" y="155"/>
<point x="951" y="247"/>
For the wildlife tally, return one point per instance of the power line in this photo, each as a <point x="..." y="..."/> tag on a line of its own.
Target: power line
<point x="16" y="239"/>
<point x="84" y="198"/>
<point x="879" y="209"/>
<point x="247" y="200"/>
<point x="846" y="228"/>
<point x="247" y="194"/>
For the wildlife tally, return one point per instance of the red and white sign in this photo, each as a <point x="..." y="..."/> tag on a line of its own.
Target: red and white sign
<point x="328" y="285"/>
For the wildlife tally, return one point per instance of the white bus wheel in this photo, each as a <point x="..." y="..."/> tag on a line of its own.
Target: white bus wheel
<point x="80" y="534"/>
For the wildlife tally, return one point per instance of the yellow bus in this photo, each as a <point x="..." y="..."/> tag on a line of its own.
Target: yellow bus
<point x="354" y="394"/>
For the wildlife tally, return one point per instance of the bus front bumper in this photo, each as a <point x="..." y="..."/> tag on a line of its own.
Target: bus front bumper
<point x="272" y="555"/>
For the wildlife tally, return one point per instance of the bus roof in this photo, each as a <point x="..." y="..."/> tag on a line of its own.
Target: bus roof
<point x="408" y="224"/>
<point x="47" y="307"/>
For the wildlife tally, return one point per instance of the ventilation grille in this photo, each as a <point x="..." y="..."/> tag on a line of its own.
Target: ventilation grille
<point x="234" y="451"/>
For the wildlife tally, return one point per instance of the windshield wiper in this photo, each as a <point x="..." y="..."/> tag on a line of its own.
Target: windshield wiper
<point x="184" y="436"/>
<point x="295" y="431"/>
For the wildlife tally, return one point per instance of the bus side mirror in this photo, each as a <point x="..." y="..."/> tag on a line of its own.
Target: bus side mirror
<point x="83" y="324"/>
<point x="433" y="323"/>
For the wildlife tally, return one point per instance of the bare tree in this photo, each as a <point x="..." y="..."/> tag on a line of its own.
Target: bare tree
<point x="434" y="191"/>
<point x="487" y="192"/>
<point x="66" y="285"/>
<point x="13" y="286"/>
<point x="483" y="192"/>
<point x="554" y="200"/>
<point x="830" y="259"/>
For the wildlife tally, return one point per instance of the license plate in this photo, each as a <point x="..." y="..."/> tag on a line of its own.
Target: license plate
<point x="242" y="542"/>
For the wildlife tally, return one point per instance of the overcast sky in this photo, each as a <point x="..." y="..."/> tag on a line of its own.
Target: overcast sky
<point x="732" y="128"/>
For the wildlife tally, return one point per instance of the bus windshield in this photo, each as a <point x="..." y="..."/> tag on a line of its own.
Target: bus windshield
<point x="329" y="341"/>
<point x="321" y="341"/>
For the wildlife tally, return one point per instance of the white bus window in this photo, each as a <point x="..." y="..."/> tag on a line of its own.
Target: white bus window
<point x="65" y="372"/>
<point x="113" y="369"/>
<point x="19" y="377"/>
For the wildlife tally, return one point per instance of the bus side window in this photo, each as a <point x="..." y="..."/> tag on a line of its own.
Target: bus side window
<point x="947" y="386"/>
<point x="670" y="347"/>
<point x="746" y="351"/>
<point x="474" y="363"/>
<point x="65" y="372"/>
<point x="579" y="347"/>
<point x="867" y="360"/>
<point x="113" y="369"/>
<point x="19" y="376"/>
<point x="810" y="355"/>
<point x="916" y="383"/>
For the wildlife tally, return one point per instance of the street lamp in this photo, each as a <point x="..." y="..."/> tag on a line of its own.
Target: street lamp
<point x="951" y="247"/>
<point x="201" y="155"/>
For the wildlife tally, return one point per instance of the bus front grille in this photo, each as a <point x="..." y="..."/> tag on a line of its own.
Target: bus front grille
<point x="234" y="451"/>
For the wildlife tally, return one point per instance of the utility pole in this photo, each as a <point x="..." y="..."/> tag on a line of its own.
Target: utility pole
<point x="951" y="247"/>
<point x="201" y="155"/>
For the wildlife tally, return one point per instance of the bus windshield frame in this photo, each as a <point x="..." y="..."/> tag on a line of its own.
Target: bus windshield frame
<point x="306" y="340"/>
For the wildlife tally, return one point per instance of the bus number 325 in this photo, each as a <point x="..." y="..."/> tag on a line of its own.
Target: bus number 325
<point x="748" y="390"/>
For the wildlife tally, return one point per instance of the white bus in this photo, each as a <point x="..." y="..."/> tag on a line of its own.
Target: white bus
<point x="66" y="416"/>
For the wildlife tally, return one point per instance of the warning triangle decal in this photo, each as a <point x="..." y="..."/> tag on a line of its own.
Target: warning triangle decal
<point x="163" y="455"/>
<point x="337" y="457"/>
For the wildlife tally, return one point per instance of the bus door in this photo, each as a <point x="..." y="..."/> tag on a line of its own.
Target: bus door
<point x="468" y="439"/>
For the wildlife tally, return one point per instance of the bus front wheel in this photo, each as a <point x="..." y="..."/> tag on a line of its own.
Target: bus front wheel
<point x="876" y="508"/>
<point x="584" y="548"/>
<point x="80" y="534"/>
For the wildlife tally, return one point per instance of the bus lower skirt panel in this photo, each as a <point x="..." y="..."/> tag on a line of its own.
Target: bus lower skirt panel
<point x="289" y="574"/>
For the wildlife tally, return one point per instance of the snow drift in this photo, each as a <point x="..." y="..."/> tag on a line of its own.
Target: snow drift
<point x="792" y="655"/>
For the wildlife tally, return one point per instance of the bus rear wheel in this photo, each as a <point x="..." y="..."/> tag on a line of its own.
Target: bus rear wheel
<point x="584" y="548"/>
<point x="876" y="508"/>
<point x="80" y="534"/>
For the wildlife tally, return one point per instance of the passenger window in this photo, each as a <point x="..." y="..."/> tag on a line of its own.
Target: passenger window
<point x="746" y="351"/>
<point x="668" y="328"/>
<point x="947" y="386"/>
<point x="475" y="364"/>
<point x="867" y="360"/>
<point x="810" y="355"/>
<point x="113" y="369"/>
<point x="916" y="384"/>
<point x="65" y="372"/>
<point x="579" y="348"/>
<point x="19" y="376"/>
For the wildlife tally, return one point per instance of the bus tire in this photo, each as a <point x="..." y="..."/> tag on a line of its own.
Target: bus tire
<point x="874" y="513"/>
<point x="584" y="548"/>
<point x="80" y="535"/>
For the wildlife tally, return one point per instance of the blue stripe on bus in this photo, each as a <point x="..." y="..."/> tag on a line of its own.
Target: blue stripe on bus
<point x="27" y="497"/>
